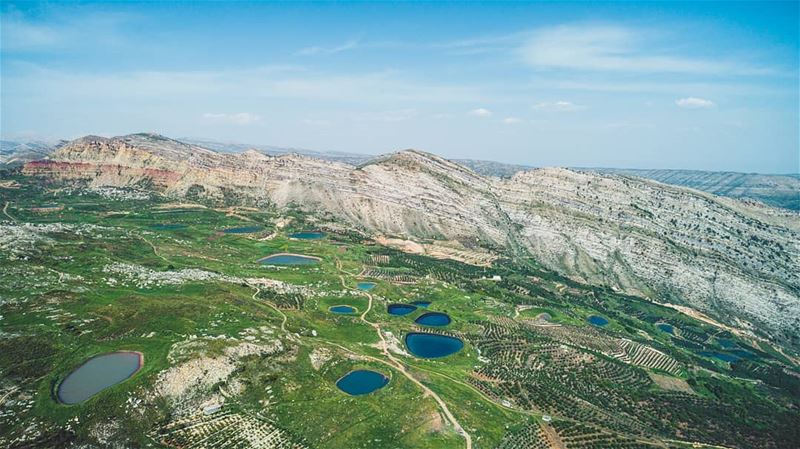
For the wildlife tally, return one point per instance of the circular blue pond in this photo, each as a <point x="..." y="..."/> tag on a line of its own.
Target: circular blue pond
<point x="366" y="285"/>
<point x="432" y="346"/>
<point x="421" y="303"/>
<point x="308" y="235"/>
<point x="361" y="381"/>
<point x="244" y="230"/>
<point x="97" y="374"/>
<point x="597" y="320"/>
<point x="289" y="259"/>
<point x="344" y="310"/>
<point x="400" y="309"/>
<point x="666" y="328"/>
<point x="167" y="226"/>
<point x="433" y="319"/>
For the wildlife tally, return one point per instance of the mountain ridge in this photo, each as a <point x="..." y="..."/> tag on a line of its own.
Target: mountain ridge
<point x="650" y="239"/>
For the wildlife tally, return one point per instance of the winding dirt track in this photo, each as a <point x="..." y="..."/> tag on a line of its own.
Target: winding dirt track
<point x="283" y="322"/>
<point x="5" y="211"/>
<point x="398" y="365"/>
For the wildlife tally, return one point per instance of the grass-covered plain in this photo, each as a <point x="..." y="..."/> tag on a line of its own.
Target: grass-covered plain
<point x="101" y="273"/>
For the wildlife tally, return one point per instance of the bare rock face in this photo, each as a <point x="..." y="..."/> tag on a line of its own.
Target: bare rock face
<point x="736" y="260"/>
<point x="668" y="243"/>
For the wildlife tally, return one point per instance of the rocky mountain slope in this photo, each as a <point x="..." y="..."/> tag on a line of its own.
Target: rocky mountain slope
<point x="734" y="260"/>
<point x="14" y="153"/>
<point x="775" y="190"/>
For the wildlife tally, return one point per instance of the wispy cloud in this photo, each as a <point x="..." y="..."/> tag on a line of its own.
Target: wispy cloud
<point x="512" y="120"/>
<point x="239" y="118"/>
<point x="694" y="103"/>
<point x="21" y="33"/>
<point x="279" y="81"/>
<point x="616" y="48"/>
<point x="480" y="112"/>
<point x="479" y="45"/>
<point x="317" y="50"/>
<point x="559" y="106"/>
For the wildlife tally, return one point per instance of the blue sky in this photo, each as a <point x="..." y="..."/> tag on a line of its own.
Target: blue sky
<point x="710" y="86"/>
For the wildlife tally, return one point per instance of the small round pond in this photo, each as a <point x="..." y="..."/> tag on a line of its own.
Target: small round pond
<point x="433" y="319"/>
<point x="366" y="285"/>
<point x="244" y="230"/>
<point x="307" y="235"/>
<point x="289" y="259"/>
<point x="597" y="320"/>
<point x="400" y="309"/>
<point x="664" y="327"/>
<point x="343" y="310"/>
<point x="432" y="346"/>
<point x="97" y="374"/>
<point x="361" y="381"/>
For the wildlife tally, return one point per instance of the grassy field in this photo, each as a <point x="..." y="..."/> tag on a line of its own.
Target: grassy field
<point x="98" y="274"/>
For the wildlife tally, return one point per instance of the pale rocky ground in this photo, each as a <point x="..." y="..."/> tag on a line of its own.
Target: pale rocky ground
<point x="735" y="260"/>
<point x="192" y="374"/>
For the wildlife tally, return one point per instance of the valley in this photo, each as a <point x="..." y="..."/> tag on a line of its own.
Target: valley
<point x="241" y="353"/>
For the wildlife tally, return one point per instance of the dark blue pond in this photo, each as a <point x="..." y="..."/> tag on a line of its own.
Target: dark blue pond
<point x="97" y="374"/>
<point x="597" y="320"/>
<point x="307" y="235"/>
<point x="361" y="381"/>
<point x="725" y="357"/>
<point x="400" y="309"/>
<point x="421" y="303"/>
<point x="432" y="346"/>
<point x="345" y="310"/>
<point x="727" y="343"/>
<point x="244" y="230"/>
<point x="666" y="328"/>
<point x="433" y="319"/>
<point x="288" y="259"/>
<point x="366" y="285"/>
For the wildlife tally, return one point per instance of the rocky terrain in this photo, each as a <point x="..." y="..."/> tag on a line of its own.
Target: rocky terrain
<point x="775" y="190"/>
<point x="734" y="260"/>
<point x="14" y="153"/>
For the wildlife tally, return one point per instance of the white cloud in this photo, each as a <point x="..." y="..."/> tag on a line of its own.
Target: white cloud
<point x="240" y="118"/>
<point x="694" y="103"/>
<point x="512" y="120"/>
<point x="279" y="81"/>
<point x="22" y="33"/>
<point x="480" y="112"/>
<point x="615" y="48"/>
<point x="316" y="50"/>
<point x="560" y="105"/>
